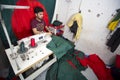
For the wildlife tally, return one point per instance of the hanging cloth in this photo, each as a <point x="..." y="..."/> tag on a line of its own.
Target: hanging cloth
<point x="114" y="22"/>
<point x="74" y="27"/>
<point x="21" y="18"/>
<point x="78" y="18"/>
<point x="114" y="40"/>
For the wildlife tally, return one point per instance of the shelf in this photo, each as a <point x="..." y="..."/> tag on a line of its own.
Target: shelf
<point x="41" y="69"/>
<point x="57" y="30"/>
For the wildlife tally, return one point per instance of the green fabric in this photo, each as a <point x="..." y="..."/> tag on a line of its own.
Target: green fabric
<point x="66" y="72"/>
<point x="72" y="57"/>
<point x="59" y="46"/>
<point x="80" y="54"/>
<point x="117" y="17"/>
<point x="52" y="72"/>
<point x="50" y="6"/>
<point x="57" y="23"/>
<point x="62" y="70"/>
<point x="6" y="15"/>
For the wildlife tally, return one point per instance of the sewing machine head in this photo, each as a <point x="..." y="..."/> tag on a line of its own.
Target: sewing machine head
<point x="39" y="39"/>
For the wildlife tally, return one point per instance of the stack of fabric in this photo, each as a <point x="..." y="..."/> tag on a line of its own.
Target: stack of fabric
<point x="72" y="62"/>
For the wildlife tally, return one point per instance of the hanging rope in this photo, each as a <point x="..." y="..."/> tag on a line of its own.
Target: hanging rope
<point x="79" y="7"/>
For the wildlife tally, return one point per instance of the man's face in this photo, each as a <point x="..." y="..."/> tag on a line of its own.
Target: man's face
<point x="39" y="15"/>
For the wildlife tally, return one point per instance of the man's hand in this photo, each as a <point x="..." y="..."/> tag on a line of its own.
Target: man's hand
<point x="48" y="29"/>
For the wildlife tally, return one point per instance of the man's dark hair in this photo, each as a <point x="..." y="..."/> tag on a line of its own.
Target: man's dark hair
<point x="38" y="9"/>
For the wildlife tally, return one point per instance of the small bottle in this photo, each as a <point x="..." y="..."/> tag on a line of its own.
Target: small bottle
<point x="33" y="42"/>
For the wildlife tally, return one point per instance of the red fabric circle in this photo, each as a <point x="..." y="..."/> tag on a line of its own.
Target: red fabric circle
<point x="21" y="18"/>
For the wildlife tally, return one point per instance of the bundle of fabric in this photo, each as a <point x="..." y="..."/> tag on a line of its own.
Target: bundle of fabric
<point x="98" y="66"/>
<point x="67" y="68"/>
<point x="59" y="46"/>
<point x="71" y="62"/>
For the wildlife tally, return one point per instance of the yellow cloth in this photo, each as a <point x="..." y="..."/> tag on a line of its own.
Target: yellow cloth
<point x="113" y="25"/>
<point x="76" y="17"/>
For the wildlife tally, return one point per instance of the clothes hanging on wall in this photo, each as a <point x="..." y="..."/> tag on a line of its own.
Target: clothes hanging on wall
<point x="114" y="40"/>
<point x="78" y="18"/>
<point x="74" y="27"/>
<point x="114" y="21"/>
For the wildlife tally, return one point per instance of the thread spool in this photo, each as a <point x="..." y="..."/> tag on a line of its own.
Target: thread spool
<point x="33" y="44"/>
<point x="22" y="48"/>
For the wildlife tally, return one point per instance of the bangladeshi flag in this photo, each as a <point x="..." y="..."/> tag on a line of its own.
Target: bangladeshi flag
<point x="21" y="18"/>
<point x="114" y="22"/>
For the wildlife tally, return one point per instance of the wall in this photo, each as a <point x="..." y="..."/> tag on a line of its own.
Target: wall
<point x="96" y="15"/>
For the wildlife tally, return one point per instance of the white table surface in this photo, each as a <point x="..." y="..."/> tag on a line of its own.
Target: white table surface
<point x="35" y="54"/>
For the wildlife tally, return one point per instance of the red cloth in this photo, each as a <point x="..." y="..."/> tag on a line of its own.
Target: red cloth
<point x="117" y="61"/>
<point x="99" y="67"/>
<point x="83" y="62"/>
<point x="2" y="78"/>
<point x="71" y="63"/>
<point x="21" y="18"/>
<point x="15" y="78"/>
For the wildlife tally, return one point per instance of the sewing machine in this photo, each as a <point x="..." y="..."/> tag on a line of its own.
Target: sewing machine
<point x="31" y="52"/>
